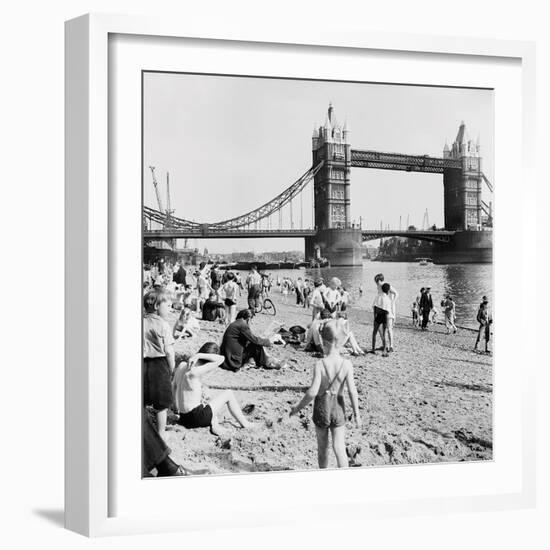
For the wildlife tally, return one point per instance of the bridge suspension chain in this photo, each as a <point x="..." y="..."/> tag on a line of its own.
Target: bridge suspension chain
<point x="273" y="205"/>
<point x="487" y="182"/>
<point x="250" y="219"/>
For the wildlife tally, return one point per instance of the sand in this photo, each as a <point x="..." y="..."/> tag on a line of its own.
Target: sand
<point x="429" y="401"/>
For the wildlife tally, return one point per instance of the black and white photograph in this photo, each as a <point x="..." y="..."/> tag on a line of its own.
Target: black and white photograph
<point x="317" y="282"/>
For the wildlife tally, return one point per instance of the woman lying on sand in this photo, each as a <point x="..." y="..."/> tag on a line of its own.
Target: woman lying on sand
<point x="187" y="388"/>
<point x="330" y="375"/>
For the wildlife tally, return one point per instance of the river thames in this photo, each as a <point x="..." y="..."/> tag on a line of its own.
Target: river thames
<point x="466" y="283"/>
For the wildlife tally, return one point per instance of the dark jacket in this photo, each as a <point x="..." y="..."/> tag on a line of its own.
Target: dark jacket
<point x="426" y="302"/>
<point x="180" y="277"/>
<point x="236" y="337"/>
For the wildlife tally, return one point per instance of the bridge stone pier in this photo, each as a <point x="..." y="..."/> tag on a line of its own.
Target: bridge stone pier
<point x="336" y="239"/>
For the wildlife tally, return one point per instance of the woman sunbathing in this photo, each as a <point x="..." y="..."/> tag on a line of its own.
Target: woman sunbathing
<point x="187" y="388"/>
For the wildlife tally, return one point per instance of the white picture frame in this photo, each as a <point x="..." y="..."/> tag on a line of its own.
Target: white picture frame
<point x="92" y="211"/>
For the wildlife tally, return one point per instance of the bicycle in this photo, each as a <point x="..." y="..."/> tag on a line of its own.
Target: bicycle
<point x="265" y="306"/>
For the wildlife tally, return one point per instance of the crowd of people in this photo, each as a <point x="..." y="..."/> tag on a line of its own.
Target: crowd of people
<point x="211" y="294"/>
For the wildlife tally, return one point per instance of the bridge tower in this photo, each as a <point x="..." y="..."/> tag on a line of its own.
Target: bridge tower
<point x="336" y="239"/>
<point x="462" y="186"/>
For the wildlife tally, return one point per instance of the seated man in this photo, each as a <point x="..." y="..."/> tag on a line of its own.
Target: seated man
<point x="240" y="346"/>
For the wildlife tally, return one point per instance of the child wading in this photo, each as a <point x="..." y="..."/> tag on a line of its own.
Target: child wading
<point x="330" y="375"/>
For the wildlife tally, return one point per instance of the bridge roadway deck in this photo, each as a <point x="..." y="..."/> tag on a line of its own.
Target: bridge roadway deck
<point x="439" y="235"/>
<point x="397" y="161"/>
<point x="225" y="233"/>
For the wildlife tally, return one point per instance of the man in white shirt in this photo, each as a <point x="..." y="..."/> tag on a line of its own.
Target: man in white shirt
<point x="333" y="297"/>
<point x="317" y="299"/>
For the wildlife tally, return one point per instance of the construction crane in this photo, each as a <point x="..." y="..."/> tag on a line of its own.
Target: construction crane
<point x="157" y="192"/>
<point x="169" y="210"/>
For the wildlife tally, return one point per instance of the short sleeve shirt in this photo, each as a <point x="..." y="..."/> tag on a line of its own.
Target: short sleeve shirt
<point x="254" y="279"/>
<point x="383" y="301"/>
<point x="157" y="336"/>
<point x="333" y="297"/>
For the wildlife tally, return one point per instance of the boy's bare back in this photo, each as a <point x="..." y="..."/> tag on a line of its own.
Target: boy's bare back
<point x="334" y="366"/>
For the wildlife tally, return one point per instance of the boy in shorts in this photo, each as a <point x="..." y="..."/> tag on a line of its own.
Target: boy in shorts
<point x="392" y="295"/>
<point x="382" y="311"/>
<point x="187" y="388"/>
<point x="414" y="311"/>
<point x="158" y="356"/>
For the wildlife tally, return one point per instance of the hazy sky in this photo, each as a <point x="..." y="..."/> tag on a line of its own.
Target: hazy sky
<point x="231" y="144"/>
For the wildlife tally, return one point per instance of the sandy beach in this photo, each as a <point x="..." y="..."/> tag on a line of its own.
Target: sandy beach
<point x="429" y="401"/>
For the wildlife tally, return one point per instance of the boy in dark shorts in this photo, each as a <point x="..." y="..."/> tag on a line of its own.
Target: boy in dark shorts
<point x="382" y="310"/>
<point x="158" y="356"/>
<point x="187" y="388"/>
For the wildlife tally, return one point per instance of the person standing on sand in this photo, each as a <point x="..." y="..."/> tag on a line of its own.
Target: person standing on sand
<point x="299" y="287"/>
<point x="414" y="311"/>
<point x="187" y="390"/>
<point x="485" y="320"/>
<point x="254" y="286"/>
<point x="426" y="305"/>
<point x="418" y="300"/>
<point x="239" y="282"/>
<point x="330" y="375"/>
<point x="317" y="299"/>
<point x="284" y="290"/>
<point x="230" y="289"/>
<point x="216" y="278"/>
<point x="392" y="294"/>
<point x="449" y="308"/>
<point x="203" y="288"/>
<point x="158" y="356"/>
<point x="382" y="308"/>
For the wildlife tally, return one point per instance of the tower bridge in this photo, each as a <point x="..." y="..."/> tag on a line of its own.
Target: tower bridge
<point x="466" y="236"/>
